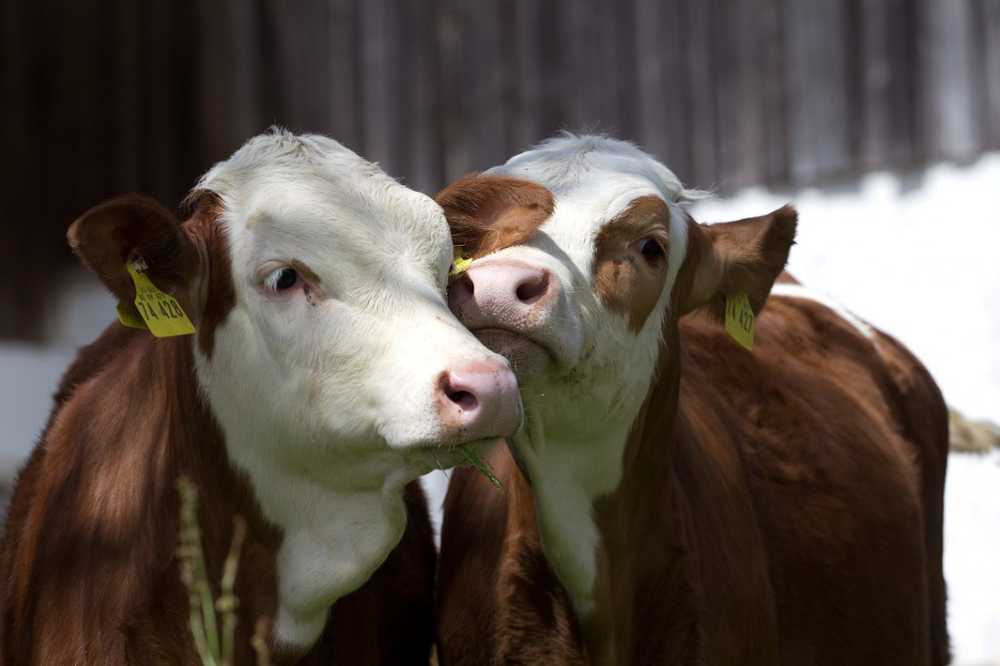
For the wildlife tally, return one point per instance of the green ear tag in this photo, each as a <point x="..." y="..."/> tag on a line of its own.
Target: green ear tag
<point x="740" y="319"/>
<point x="163" y="315"/>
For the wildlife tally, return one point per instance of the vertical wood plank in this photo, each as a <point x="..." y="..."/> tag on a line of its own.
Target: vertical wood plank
<point x="424" y="168"/>
<point x="661" y="109"/>
<point x="487" y="84"/>
<point x="160" y="175"/>
<point x="123" y="63"/>
<point x="229" y="85"/>
<point x="816" y="67"/>
<point x="948" y="123"/>
<point x="887" y="118"/>
<point x="346" y="104"/>
<point x="302" y="63"/>
<point x="529" y="83"/>
<point x="989" y="18"/>
<point x="700" y="91"/>
<point x="450" y="31"/>
<point x="384" y="95"/>
<point x="740" y="105"/>
<point x="19" y="63"/>
<point x="774" y="92"/>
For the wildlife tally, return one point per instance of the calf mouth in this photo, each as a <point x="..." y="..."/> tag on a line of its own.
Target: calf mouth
<point x="527" y="355"/>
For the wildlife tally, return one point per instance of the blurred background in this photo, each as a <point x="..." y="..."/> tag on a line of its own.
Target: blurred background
<point x="877" y="118"/>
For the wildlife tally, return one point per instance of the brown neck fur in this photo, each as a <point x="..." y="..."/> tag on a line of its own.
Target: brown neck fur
<point x="646" y="503"/>
<point x="98" y="517"/>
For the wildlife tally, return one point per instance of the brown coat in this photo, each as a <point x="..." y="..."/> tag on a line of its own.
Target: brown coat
<point x="777" y="507"/>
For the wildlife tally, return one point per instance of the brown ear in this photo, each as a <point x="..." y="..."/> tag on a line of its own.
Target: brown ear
<point x="743" y="256"/>
<point x="106" y="236"/>
<point x="487" y="213"/>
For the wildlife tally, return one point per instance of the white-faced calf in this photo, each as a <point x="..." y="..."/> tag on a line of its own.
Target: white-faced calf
<point x="676" y="498"/>
<point x="326" y="374"/>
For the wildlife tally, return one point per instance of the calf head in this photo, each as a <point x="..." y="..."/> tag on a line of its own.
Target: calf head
<point x="585" y="259"/>
<point x="325" y="348"/>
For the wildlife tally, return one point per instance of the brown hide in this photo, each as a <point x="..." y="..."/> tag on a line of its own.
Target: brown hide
<point x="487" y="213"/>
<point x="777" y="507"/>
<point x="88" y="564"/>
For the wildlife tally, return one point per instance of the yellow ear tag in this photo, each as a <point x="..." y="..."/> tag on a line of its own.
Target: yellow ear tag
<point x="740" y="319"/>
<point x="460" y="265"/>
<point x="127" y="317"/>
<point x="162" y="313"/>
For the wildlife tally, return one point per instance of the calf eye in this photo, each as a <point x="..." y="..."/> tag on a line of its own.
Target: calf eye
<point x="282" y="279"/>
<point x="651" y="250"/>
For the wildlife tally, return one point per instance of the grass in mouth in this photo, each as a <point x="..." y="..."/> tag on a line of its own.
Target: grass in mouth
<point x="477" y="461"/>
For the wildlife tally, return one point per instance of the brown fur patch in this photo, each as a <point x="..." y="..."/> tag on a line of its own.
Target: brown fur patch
<point x="220" y="297"/>
<point x="489" y="213"/>
<point x="623" y="279"/>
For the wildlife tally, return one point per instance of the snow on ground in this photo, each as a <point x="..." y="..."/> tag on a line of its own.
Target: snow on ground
<point x="915" y="256"/>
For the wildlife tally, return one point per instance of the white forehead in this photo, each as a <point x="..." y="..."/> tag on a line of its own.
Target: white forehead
<point x="593" y="179"/>
<point x="568" y="163"/>
<point x="302" y="194"/>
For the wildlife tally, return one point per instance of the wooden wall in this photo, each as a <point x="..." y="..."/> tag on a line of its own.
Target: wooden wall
<point x="103" y="97"/>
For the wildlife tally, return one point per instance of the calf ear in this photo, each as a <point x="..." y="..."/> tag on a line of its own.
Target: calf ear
<point x="744" y="256"/>
<point x="106" y="236"/>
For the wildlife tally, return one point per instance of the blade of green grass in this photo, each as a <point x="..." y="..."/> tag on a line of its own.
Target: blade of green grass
<point x="477" y="461"/>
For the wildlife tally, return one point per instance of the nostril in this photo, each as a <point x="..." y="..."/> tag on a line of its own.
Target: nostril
<point x="533" y="288"/>
<point x="466" y="284"/>
<point x="465" y="400"/>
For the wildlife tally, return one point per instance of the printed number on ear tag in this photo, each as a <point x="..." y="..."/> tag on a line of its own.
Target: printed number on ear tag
<point x="162" y="314"/>
<point x="740" y="319"/>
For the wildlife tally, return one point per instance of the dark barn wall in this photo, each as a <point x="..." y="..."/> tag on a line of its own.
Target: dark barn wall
<point x="108" y="97"/>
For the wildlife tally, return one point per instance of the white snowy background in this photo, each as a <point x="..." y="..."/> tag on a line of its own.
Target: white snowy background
<point x="918" y="256"/>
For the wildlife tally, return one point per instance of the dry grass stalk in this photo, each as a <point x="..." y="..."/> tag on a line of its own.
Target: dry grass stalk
<point x="970" y="435"/>
<point x="213" y="649"/>
<point x="259" y="642"/>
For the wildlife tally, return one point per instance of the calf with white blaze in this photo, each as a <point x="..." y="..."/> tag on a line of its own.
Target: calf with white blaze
<point x="675" y="498"/>
<point x="325" y="376"/>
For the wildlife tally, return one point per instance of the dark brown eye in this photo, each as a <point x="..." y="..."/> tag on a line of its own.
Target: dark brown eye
<point x="651" y="249"/>
<point x="282" y="279"/>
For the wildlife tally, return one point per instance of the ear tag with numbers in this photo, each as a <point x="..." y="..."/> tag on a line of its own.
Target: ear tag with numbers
<point x="161" y="312"/>
<point x="740" y="319"/>
<point x="460" y="265"/>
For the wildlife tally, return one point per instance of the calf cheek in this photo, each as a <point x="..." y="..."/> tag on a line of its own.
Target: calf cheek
<point x="626" y="290"/>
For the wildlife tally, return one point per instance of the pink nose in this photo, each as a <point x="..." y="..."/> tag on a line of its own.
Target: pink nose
<point x="507" y="293"/>
<point x="479" y="401"/>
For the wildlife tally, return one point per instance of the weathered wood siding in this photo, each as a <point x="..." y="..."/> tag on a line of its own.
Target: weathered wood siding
<point x="108" y="96"/>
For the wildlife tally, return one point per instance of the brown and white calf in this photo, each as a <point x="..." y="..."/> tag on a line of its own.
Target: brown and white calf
<point x="325" y="376"/>
<point x="675" y="498"/>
